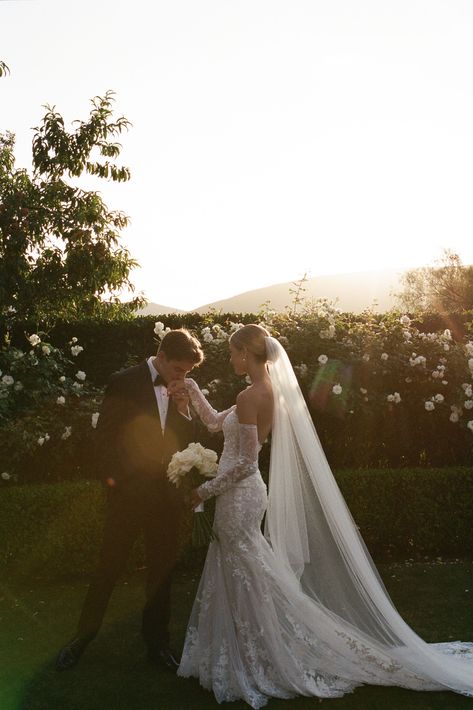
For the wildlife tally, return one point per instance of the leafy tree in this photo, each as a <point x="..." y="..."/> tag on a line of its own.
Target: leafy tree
<point x="60" y="254"/>
<point x="446" y="287"/>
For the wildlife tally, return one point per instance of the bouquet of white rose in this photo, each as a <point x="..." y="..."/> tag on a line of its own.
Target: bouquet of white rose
<point x="189" y="466"/>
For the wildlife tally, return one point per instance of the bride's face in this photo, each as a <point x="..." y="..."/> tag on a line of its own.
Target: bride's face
<point x="238" y="360"/>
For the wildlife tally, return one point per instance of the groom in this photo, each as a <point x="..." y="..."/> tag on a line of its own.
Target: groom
<point x="139" y="429"/>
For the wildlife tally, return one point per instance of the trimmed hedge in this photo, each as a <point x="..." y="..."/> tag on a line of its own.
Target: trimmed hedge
<point x="53" y="531"/>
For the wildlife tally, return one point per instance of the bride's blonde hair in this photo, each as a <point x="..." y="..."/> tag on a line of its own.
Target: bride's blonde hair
<point x="253" y="338"/>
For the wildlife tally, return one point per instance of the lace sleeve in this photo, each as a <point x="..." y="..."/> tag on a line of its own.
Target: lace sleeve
<point x="246" y="466"/>
<point x="212" y="419"/>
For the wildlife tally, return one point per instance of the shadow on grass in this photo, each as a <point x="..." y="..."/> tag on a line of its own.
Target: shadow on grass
<point x="114" y="674"/>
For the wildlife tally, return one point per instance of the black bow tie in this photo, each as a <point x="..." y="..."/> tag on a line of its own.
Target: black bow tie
<point x="159" y="380"/>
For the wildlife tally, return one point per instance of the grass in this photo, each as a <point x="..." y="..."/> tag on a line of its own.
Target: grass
<point x="36" y="618"/>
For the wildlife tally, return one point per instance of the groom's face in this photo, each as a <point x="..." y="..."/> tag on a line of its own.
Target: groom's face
<point x="173" y="369"/>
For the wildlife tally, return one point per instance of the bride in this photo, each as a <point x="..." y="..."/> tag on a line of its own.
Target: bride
<point x="300" y="610"/>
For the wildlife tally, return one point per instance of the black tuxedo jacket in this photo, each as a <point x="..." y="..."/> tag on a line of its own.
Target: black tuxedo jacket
<point x="130" y="442"/>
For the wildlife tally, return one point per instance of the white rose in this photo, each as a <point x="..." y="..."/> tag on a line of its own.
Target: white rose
<point x="74" y="340"/>
<point x="439" y="398"/>
<point x="46" y="350"/>
<point x="18" y="386"/>
<point x="66" y="433"/>
<point x="470" y="425"/>
<point x="430" y="406"/>
<point x="7" y="380"/>
<point x="405" y="320"/>
<point x="384" y="356"/>
<point x="34" y="339"/>
<point x="454" y="417"/>
<point x="366" y="357"/>
<point x="62" y="378"/>
<point x="397" y="397"/>
<point x="436" y="374"/>
<point x="323" y="359"/>
<point x="468" y="404"/>
<point x="76" y="350"/>
<point x="61" y="400"/>
<point x="470" y="363"/>
<point x="80" y="375"/>
<point x="337" y="389"/>
<point x="390" y="398"/>
<point x="95" y="418"/>
<point x="445" y="382"/>
<point x="41" y="440"/>
<point x="363" y="391"/>
<point x="6" y="476"/>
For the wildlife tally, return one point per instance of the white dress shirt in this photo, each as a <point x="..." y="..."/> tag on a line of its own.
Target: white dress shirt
<point x="162" y="397"/>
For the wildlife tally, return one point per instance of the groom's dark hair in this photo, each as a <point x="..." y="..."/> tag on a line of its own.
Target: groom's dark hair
<point x="181" y="345"/>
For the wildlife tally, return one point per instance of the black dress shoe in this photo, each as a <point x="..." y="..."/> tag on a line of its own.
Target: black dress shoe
<point x="163" y="658"/>
<point x="69" y="655"/>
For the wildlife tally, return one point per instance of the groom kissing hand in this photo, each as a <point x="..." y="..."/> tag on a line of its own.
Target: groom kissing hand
<point x="142" y="424"/>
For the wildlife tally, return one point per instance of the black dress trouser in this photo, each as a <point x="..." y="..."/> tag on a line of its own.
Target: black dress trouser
<point x="155" y="507"/>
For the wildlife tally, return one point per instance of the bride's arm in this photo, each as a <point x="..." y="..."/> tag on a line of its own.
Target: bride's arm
<point x="212" y="419"/>
<point x="246" y="466"/>
<point x="248" y="453"/>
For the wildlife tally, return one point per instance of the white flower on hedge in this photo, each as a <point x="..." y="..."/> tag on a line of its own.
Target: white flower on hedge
<point x="445" y="382"/>
<point x="76" y="350"/>
<point x="62" y="378"/>
<point x="384" y="356"/>
<point x="160" y="330"/>
<point x="95" y="418"/>
<point x="46" y="350"/>
<point x="436" y="374"/>
<point x="76" y="386"/>
<point x="447" y="334"/>
<point x="34" y="339"/>
<point x="366" y="357"/>
<point x="18" y="354"/>
<point x="363" y="390"/>
<point x="74" y="340"/>
<point x="405" y="320"/>
<point x="468" y="404"/>
<point x="446" y="347"/>
<point x="6" y="476"/>
<point x="18" y="386"/>
<point x="439" y="398"/>
<point x="41" y="440"/>
<point x="8" y="380"/>
<point x="429" y="406"/>
<point x="66" y="433"/>
<point x="205" y="392"/>
<point x="81" y="375"/>
<point x="396" y="397"/>
<point x="407" y="335"/>
<point x="470" y="364"/>
<point x="469" y="347"/>
<point x="61" y="400"/>
<point x="337" y="389"/>
<point x="470" y="425"/>
<point x="454" y="417"/>
<point x="322" y="359"/>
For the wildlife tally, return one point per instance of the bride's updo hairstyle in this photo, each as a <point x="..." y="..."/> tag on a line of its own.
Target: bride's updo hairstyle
<point x="253" y="338"/>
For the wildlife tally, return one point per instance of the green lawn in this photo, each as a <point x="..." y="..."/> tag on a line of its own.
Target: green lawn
<point x="36" y="618"/>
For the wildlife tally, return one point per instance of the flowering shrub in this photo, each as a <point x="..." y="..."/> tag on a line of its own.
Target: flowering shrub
<point x="47" y="410"/>
<point x="383" y="390"/>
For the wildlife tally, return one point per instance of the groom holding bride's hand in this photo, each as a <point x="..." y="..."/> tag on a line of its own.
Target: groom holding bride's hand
<point x="144" y="420"/>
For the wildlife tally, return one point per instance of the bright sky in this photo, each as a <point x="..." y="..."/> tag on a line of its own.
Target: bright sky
<point x="270" y="137"/>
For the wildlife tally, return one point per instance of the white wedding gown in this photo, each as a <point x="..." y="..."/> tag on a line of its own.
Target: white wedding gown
<point x="256" y="631"/>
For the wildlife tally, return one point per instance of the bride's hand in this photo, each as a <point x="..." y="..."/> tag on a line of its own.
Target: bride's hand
<point x="178" y="391"/>
<point x="195" y="499"/>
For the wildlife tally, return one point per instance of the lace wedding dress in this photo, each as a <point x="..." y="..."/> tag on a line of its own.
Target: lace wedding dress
<point x="300" y="610"/>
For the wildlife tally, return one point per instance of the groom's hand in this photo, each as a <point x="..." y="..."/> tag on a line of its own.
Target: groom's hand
<point x="195" y="499"/>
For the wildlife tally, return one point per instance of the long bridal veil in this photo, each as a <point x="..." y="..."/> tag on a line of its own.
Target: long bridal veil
<point x="314" y="535"/>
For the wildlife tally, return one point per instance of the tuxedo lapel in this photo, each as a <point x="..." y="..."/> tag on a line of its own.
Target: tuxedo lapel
<point x="146" y="396"/>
